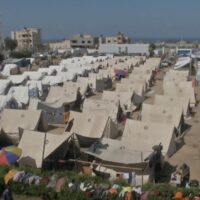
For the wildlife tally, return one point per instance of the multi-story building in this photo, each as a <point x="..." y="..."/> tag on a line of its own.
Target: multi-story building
<point x="118" y="39"/>
<point x="27" y="37"/>
<point x="65" y="44"/>
<point x="82" y="41"/>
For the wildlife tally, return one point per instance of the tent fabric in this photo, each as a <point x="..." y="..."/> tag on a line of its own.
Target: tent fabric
<point x="7" y="69"/>
<point x="124" y="98"/>
<point x="116" y="152"/>
<point x="57" y="68"/>
<point x="46" y="71"/>
<point x="20" y="94"/>
<point x="142" y="136"/>
<point x="33" y="104"/>
<point x="3" y="102"/>
<point x="161" y="114"/>
<point x="52" y="80"/>
<point x="74" y="86"/>
<point x="173" y="102"/>
<point x="45" y="143"/>
<point x="17" y="79"/>
<point x="12" y="119"/>
<point x="35" y="88"/>
<point x="88" y="124"/>
<point x="4" y="84"/>
<point x="32" y="75"/>
<point x="102" y="107"/>
<point x="32" y="145"/>
<point x="133" y="88"/>
<point x="181" y="89"/>
<point x="58" y="96"/>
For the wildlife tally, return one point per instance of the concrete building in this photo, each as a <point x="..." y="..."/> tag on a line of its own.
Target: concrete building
<point x="118" y="39"/>
<point x="135" y="49"/>
<point x="83" y="41"/>
<point x="65" y="44"/>
<point x="27" y="37"/>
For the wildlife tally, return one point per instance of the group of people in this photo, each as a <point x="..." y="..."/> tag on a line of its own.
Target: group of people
<point x="181" y="176"/>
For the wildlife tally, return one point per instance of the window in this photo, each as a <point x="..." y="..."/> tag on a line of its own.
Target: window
<point x="74" y="41"/>
<point x="119" y="49"/>
<point x="108" y="41"/>
<point x="89" y="42"/>
<point x="126" y="49"/>
<point x="83" y="42"/>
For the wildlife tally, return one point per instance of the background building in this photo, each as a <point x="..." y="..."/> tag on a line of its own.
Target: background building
<point x="135" y="49"/>
<point x="27" y="37"/>
<point x="118" y="39"/>
<point x="65" y="44"/>
<point x="83" y="41"/>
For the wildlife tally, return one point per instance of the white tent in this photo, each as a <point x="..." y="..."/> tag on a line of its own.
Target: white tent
<point x="52" y="80"/>
<point x="4" y="84"/>
<point x="173" y="102"/>
<point x="124" y="98"/>
<point x="35" y="88"/>
<point x="103" y="107"/>
<point x="47" y="71"/>
<point x="88" y="126"/>
<point x="180" y="89"/>
<point x="33" y="75"/>
<point x="142" y="136"/>
<point x="12" y="119"/>
<point x="20" y="94"/>
<point x="45" y="143"/>
<point x="17" y="79"/>
<point x="3" y="102"/>
<point x="163" y="114"/>
<point x="58" y="96"/>
<point x="7" y="69"/>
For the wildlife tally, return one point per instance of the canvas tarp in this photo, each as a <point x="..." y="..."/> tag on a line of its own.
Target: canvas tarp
<point x="116" y="151"/>
<point x="180" y="89"/>
<point x="4" y="84"/>
<point x="103" y="107"/>
<point x="20" y="94"/>
<point x="12" y="120"/>
<point x="162" y="114"/>
<point x="173" y="102"/>
<point x="7" y="69"/>
<point x="174" y="75"/>
<point x="142" y="136"/>
<point x="87" y="126"/>
<point x="124" y="98"/>
<point x="33" y="104"/>
<point x="59" y="96"/>
<point x="17" y="79"/>
<point x="46" y="71"/>
<point x="52" y="80"/>
<point x="74" y="86"/>
<point x="35" y="88"/>
<point x="33" y="75"/>
<point x="3" y="102"/>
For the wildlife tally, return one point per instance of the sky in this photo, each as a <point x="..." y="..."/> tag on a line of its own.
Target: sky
<point x="135" y="18"/>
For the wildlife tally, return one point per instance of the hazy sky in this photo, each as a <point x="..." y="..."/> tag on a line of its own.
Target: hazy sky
<point x="136" y="18"/>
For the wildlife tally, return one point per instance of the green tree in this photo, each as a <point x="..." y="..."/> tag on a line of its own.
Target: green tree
<point x="152" y="47"/>
<point x="10" y="44"/>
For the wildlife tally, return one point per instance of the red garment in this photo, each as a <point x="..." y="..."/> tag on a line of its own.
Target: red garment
<point x="128" y="196"/>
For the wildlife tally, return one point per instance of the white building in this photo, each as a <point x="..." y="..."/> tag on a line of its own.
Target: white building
<point x="142" y="49"/>
<point x="27" y="37"/>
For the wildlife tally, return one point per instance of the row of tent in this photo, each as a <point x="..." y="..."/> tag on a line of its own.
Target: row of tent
<point x="96" y="122"/>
